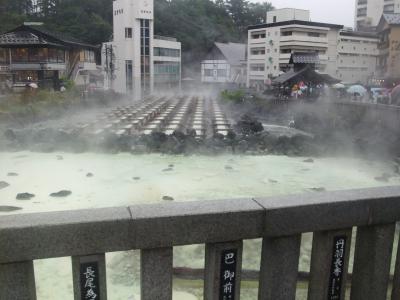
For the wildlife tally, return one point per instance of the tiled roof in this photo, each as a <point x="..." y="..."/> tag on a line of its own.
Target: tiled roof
<point x="23" y="38"/>
<point x="392" y="19"/>
<point x="234" y="53"/>
<point x="39" y="35"/>
<point x="304" y="58"/>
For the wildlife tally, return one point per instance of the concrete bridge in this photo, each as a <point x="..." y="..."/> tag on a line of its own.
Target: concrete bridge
<point x="86" y="236"/>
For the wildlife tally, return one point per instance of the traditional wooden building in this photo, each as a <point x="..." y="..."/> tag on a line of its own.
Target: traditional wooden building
<point x="31" y="53"/>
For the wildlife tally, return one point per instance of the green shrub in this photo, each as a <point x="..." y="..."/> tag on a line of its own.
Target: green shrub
<point x="234" y="96"/>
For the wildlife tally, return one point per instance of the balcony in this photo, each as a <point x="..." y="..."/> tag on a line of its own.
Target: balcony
<point x="37" y="66"/>
<point x="304" y="40"/>
<point x="87" y="235"/>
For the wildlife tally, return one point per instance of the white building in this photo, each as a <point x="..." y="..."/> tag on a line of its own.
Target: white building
<point x="136" y="61"/>
<point x="369" y="12"/>
<point x="225" y="64"/>
<point x="288" y="31"/>
<point x="357" y="56"/>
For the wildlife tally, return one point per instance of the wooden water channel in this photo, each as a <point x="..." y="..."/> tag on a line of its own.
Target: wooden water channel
<point x="86" y="235"/>
<point x="198" y="115"/>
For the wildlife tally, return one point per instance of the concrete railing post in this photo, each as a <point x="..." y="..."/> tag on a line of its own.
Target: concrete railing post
<point x="372" y="262"/>
<point x="329" y="265"/>
<point x="223" y="266"/>
<point x="396" y="277"/>
<point x="89" y="277"/>
<point x="17" y="281"/>
<point x="156" y="274"/>
<point x="279" y="268"/>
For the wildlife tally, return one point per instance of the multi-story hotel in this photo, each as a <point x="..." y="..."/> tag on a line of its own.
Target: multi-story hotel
<point x="369" y="12"/>
<point x="346" y="55"/>
<point x="137" y="61"/>
<point x="389" y="48"/>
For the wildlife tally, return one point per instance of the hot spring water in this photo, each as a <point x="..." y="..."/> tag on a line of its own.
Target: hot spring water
<point x="106" y="180"/>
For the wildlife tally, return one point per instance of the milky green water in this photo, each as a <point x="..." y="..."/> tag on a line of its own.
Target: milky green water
<point x="191" y="178"/>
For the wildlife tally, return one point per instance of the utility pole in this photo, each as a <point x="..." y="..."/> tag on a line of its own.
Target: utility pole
<point x="110" y="65"/>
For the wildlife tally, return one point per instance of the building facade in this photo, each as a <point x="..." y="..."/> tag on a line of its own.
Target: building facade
<point x="369" y="12"/>
<point x="389" y="48"/>
<point x="32" y="54"/>
<point x="136" y="61"/>
<point x="225" y="64"/>
<point x="346" y="55"/>
<point x="357" y="54"/>
<point x="270" y="45"/>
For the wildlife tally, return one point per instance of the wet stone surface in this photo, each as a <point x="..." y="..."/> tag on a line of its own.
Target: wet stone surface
<point x="24" y="196"/>
<point x="60" y="194"/>
<point x="3" y="184"/>
<point x="5" y="208"/>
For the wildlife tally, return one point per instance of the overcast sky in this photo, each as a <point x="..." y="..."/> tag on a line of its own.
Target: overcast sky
<point x="329" y="11"/>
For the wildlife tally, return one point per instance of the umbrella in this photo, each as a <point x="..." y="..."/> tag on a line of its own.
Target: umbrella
<point x="395" y="94"/>
<point x="359" y="89"/>
<point x="339" y="86"/>
<point x="33" y="85"/>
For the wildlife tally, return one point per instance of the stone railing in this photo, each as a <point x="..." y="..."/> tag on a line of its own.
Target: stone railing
<point x="87" y="235"/>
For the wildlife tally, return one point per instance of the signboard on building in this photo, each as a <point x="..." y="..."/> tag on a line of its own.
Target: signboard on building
<point x="144" y="9"/>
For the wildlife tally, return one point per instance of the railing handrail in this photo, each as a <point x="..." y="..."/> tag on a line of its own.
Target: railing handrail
<point x="25" y="237"/>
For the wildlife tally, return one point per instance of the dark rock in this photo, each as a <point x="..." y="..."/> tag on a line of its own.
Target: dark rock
<point x="191" y="132"/>
<point x="318" y="189"/>
<point x="242" y="146"/>
<point x="9" y="208"/>
<point x="248" y="125"/>
<point x="305" y="170"/>
<point x="89" y="174"/>
<point x="10" y="134"/>
<point x="136" y="178"/>
<point x="63" y="193"/>
<point x="3" y="184"/>
<point x="170" y="166"/>
<point x="228" y="168"/>
<point x="168" y="170"/>
<point x="383" y="178"/>
<point x="12" y="174"/>
<point x="272" y="181"/>
<point x="309" y="160"/>
<point x="25" y="196"/>
<point x="167" y="198"/>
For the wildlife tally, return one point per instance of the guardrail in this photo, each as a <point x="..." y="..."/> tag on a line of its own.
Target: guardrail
<point x="87" y="235"/>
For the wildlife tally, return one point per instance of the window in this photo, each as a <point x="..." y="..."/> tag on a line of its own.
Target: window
<point x="221" y="73"/>
<point x="257" y="67"/>
<point x="286" y="33"/>
<point x="128" y="33"/>
<point x="145" y="54"/>
<point x="257" y="51"/>
<point x="167" y="52"/>
<point x="258" y="35"/>
<point x="274" y="19"/>
<point x="362" y="12"/>
<point x="129" y="76"/>
<point x="389" y="8"/>
<point x="208" y="72"/>
<point x="313" y="34"/>
<point x="3" y="55"/>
